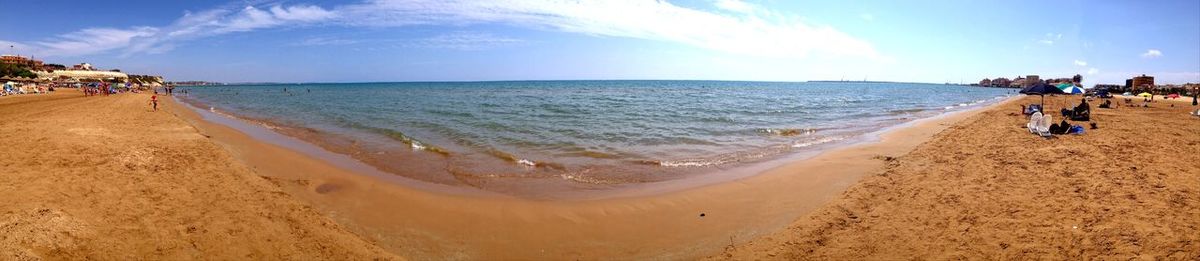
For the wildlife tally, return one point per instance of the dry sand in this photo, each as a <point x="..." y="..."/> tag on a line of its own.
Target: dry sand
<point x="987" y="189"/>
<point x="107" y="178"/>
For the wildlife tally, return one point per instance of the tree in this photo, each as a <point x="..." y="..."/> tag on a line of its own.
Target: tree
<point x="1077" y="79"/>
<point x="15" y="71"/>
<point x="56" y="66"/>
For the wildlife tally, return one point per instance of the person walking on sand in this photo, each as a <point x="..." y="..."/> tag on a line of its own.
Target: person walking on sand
<point x="1195" y="96"/>
<point x="154" y="102"/>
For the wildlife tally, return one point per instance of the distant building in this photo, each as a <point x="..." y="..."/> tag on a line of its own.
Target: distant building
<point x="985" y="82"/>
<point x="1001" y="82"/>
<point x="21" y="61"/>
<point x="1031" y="80"/>
<point x="1018" y="83"/>
<point x="82" y="67"/>
<point x="85" y="76"/>
<point x="1142" y="83"/>
<point x="1109" y="87"/>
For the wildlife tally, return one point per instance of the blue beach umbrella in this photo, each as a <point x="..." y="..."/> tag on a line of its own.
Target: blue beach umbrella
<point x="1041" y="89"/>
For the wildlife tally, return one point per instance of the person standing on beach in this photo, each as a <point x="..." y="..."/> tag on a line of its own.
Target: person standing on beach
<point x="154" y="101"/>
<point x="1195" y="96"/>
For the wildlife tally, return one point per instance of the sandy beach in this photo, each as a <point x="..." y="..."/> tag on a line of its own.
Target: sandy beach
<point x="107" y="178"/>
<point x="140" y="184"/>
<point x="986" y="188"/>
<point x="671" y="221"/>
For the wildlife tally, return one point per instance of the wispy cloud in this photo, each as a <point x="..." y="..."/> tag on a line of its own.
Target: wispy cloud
<point x="147" y="39"/>
<point x="754" y="33"/>
<point x="1093" y="71"/>
<point x="734" y="27"/>
<point x="323" y="41"/>
<point x="1152" y="53"/>
<point x="1080" y="63"/>
<point x="465" y="41"/>
<point x="867" y="17"/>
<point x="91" y="41"/>
<point x="738" y="6"/>
<point x="1050" y="39"/>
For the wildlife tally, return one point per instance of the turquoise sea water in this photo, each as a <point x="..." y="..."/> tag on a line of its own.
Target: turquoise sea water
<point x="599" y="132"/>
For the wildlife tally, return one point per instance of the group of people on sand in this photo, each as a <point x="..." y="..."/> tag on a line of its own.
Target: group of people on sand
<point x="10" y="88"/>
<point x="105" y="89"/>
<point x="166" y="90"/>
<point x="1040" y="121"/>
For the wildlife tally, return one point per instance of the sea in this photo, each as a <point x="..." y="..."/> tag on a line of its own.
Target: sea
<point x="580" y="134"/>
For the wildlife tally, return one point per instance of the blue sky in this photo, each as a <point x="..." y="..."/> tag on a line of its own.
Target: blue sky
<point x="771" y="40"/>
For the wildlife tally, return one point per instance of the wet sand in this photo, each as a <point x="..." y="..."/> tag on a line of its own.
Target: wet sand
<point x="107" y="178"/>
<point x="987" y="189"/>
<point x="671" y="221"/>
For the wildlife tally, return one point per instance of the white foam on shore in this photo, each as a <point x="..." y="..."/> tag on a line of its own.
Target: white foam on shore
<point x="816" y="142"/>
<point x="526" y="162"/>
<point x="687" y="163"/>
<point x="417" y="145"/>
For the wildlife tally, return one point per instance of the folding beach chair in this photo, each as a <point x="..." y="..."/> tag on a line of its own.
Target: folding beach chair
<point x="1043" y="128"/>
<point x="1034" y="120"/>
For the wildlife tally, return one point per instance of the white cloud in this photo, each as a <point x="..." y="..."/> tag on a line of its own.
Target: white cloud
<point x="466" y="41"/>
<point x="1050" y="39"/>
<point x="738" y="6"/>
<point x="147" y="39"/>
<point x="867" y="17"/>
<point x="1080" y="63"/>
<point x="737" y="27"/>
<point x="322" y="41"/>
<point x="16" y="48"/>
<point x="759" y="33"/>
<point x="1092" y="71"/>
<point x="90" y="41"/>
<point x="1152" y="53"/>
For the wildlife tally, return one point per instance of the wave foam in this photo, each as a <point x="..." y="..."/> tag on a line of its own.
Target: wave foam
<point x="816" y="142"/>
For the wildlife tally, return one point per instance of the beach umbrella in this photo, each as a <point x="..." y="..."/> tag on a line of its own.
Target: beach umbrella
<point x="1145" y="94"/>
<point x="1041" y="89"/>
<point x="1071" y="89"/>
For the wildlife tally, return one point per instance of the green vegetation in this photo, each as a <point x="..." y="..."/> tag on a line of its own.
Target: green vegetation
<point x="56" y="66"/>
<point x="10" y="70"/>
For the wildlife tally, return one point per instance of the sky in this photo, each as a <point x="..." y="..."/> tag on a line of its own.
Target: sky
<point x="1105" y="41"/>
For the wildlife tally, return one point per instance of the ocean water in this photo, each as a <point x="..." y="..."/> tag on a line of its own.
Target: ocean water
<point x="582" y="132"/>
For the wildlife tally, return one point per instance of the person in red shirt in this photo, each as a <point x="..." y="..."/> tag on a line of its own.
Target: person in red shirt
<point x="154" y="101"/>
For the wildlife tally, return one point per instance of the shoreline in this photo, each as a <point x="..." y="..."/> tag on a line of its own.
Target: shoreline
<point x="420" y="224"/>
<point x="565" y="186"/>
